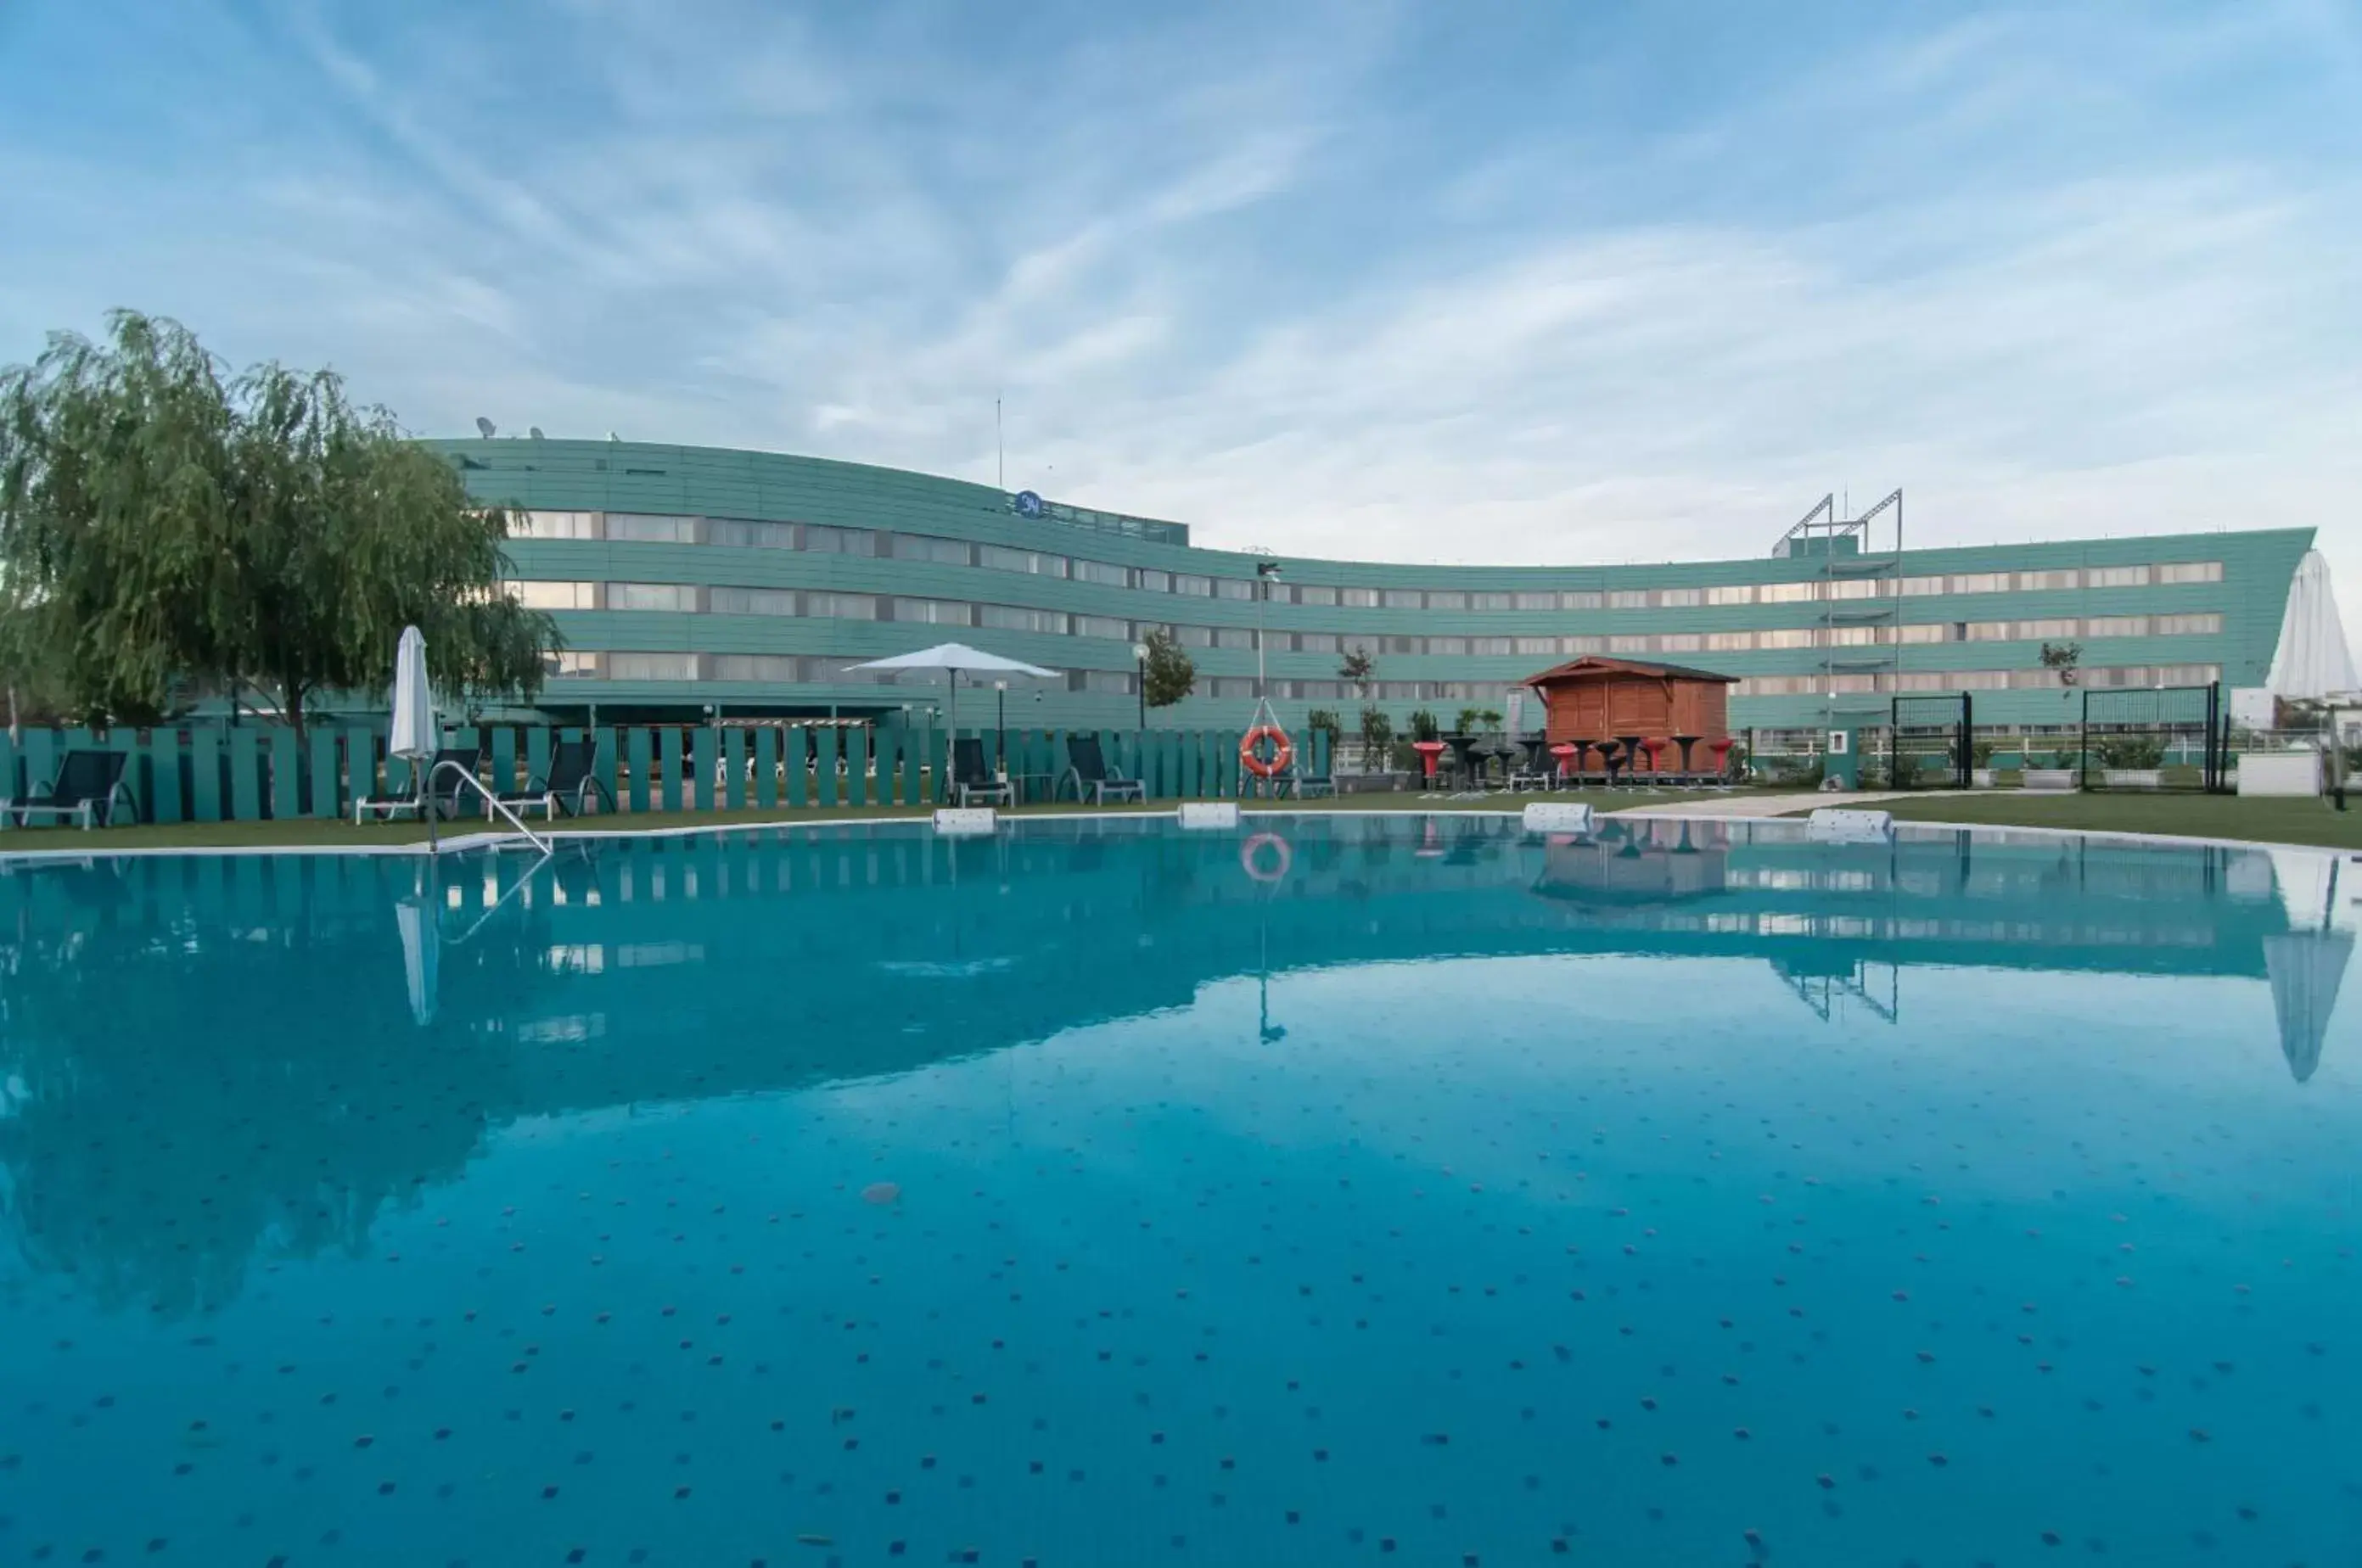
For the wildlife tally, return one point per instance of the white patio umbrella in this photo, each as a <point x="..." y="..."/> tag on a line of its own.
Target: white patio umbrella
<point x="955" y="659"/>
<point x="413" y="704"/>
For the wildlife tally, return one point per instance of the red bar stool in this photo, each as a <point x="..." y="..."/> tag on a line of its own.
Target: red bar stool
<point x="1720" y="745"/>
<point x="1655" y="746"/>
<point x="1570" y="761"/>
<point x="1428" y="750"/>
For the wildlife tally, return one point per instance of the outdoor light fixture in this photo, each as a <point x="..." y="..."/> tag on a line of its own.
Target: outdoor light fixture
<point x="1140" y="660"/>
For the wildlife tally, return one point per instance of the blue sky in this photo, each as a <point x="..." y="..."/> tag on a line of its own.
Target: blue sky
<point x="1488" y="282"/>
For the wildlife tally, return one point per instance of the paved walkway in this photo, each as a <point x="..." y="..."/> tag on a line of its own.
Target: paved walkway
<point x="1776" y="805"/>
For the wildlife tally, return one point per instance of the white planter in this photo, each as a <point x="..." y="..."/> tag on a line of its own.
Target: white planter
<point x="1982" y="777"/>
<point x="2279" y="773"/>
<point x="2132" y="778"/>
<point x="2050" y="778"/>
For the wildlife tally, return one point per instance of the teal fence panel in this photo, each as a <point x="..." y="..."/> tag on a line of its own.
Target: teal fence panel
<point x="856" y="770"/>
<point x="606" y="761"/>
<point x="205" y="774"/>
<point x="504" y="759"/>
<point x="11" y="779"/>
<point x="40" y="756"/>
<point x="1193" y="764"/>
<point x="708" y="766"/>
<point x="1316" y="747"/>
<point x="824" y="765"/>
<point x="796" y="750"/>
<point x="327" y="795"/>
<point x="669" y="766"/>
<point x="160" y="786"/>
<point x="914" y="759"/>
<point x="537" y="749"/>
<point x="1224" y="747"/>
<point x="643" y="753"/>
<point x="360" y="767"/>
<point x="286" y="776"/>
<point x="885" y="750"/>
<point x="733" y="769"/>
<point x="766" y="768"/>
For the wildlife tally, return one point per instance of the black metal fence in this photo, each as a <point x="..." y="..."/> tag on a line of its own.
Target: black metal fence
<point x="1928" y="741"/>
<point x="2157" y="737"/>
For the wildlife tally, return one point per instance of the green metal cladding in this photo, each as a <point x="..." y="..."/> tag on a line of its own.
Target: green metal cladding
<point x="2165" y="609"/>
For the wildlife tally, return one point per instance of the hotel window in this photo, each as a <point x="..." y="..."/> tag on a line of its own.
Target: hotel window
<point x="1489" y="601"/>
<point x="2048" y="582"/>
<point x="1448" y="647"/>
<point x="1680" y="598"/>
<point x="1854" y="636"/>
<point x="1234" y="636"/>
<point x="1103" y="626"/>
<point x="2116" y="626"/>
<point x="2189" y="625"/>
<point x="1002" y="558"/>
<point x="1854" y="588"/>
<point x="1629" y="599"/>
<point x="822" y="541"/>
<point x="1731" y="641"/>
<point x="1538" y="647"/>
<point x="1628" y="644"/>
<point x="644" y="528"/>
<point x="1436" y="600"/>
<point x="1786" y="593"/>
<point x="2117" y="577"/>
<point x="1537" y="601"/>
<point x="1398" y="691"/>
<point x="1102" y="573"/>
<point x="1679" y="642"/>
<point x="932" y="612"/>
<point x="1733" y="593"/>
<point x="1784" y="636"/>
<point x="1114" y="682"/>
<point x="1404" y="598"/>
<point x="1919" y="587"/>
<point x="841" y="607"/>
<point x="1234" y="589"/>
<point x="675" y="596"/>
<point x="1313" y="593"/>
<point x="1924" y="681"/>
<point x="1192" y="585"/>
<point x="926" y="547"/>
<point x="1987" y="630"/>
<point x="1156" y="582"/>
<point x="1357" y="643"/>
<point x="1982" y="583"/>
<point x="1853" y="684"/>
<point x="751" y="601"/>
<point x="1980" y="680"/>
<point x="1488" y="647"/>
<point x="2034" y="680"/>
<point x="1358" y="598"/>
<point x="1316" y="642"/>
<point x="652" y="666"/>
<point x="755" y="667"/>
<point x="567" y="662"/>
<point x="1413" y="645"/>
<point x="2189" y="572"/>
<point x="1926" y="631"/>
<point x="1580" y="598"/>
<point x="2028" y="631"/>
<point x="1016" y="618"/>
<point x="1576" y="645"/>
<point x="554" y="595"/>
<point x="553" y="525"/>
<point x="1194" y="636"/>
<point x="751" y="536"/>
<point x="1241" y="686"/>
<point x="2186" y="674"/>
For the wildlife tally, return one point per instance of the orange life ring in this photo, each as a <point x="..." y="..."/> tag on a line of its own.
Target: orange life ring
<point x="1283" y="752"/>
<point x="1250" y="858"/>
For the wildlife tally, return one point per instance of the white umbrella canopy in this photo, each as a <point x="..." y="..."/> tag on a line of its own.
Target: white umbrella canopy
<point x="413" y="704"/>
<point x="955" y="659"/>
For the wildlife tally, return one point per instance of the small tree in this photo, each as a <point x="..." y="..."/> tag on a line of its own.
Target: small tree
<point x="1171" y="674"/>
<point x="2062" y="657"/>
<point x="1464" y="721"/>
<point x="1490" y="718"/>
<point x="1325" y="719"/>
<point x="1423" y="726"/>
<point x="1358" y="670"/>
<point x="1376" y="730"/>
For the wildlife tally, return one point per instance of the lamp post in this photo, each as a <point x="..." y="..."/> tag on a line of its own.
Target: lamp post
<point x="1267" y="574"/>
<point x="1140" y="684"/>
<point x="1000" y="724"/>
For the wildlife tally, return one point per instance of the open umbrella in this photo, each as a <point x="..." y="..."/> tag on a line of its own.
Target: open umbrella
<point x="413" y="704"/>
<point x="954" y="659"/>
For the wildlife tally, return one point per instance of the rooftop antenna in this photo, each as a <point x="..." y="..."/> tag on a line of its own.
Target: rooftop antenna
<point x="484" y="427"/>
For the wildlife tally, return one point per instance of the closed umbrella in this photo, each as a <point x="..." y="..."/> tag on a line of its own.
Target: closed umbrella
<point x="413" y="704"/>
<point x="954" y="659"/>
<point x="422" y="954"/>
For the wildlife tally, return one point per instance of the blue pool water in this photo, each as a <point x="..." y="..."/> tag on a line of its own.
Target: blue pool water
<point x="838" y="1196"/>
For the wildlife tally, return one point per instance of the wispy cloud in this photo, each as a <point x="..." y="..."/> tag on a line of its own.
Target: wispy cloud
<point x="1352" y="279"/>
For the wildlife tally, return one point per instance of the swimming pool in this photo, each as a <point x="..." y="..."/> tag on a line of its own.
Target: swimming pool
<point x="1101" y="1193"/>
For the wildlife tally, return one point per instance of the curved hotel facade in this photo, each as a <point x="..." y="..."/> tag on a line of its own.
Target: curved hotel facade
<point x="686" y="579"/>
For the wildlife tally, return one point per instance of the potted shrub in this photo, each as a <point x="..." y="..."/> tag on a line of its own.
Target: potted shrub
<point x="1980" y="768"/>
<point x="2132" y="761"/>
<point x="2064" y="772"/>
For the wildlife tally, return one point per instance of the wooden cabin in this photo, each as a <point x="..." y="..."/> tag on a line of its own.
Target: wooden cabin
<point x="1592" y="699"/>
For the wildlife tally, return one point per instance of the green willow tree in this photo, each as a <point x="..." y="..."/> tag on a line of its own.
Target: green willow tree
<point x="163" y="524"/>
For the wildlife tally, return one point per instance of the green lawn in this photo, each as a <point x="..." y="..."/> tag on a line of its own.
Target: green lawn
<point x="2195" y="816"/>
<point x="310" y="834"/>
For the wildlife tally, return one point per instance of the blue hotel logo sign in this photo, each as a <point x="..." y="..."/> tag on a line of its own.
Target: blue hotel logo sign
<point x="1028" y="504"/>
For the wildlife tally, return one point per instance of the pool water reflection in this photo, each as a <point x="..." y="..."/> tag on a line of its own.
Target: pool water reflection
<point x="1688" y="1194"/>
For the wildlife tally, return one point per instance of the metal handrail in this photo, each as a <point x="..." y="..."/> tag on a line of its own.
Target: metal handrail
<point x="491" y="801"/>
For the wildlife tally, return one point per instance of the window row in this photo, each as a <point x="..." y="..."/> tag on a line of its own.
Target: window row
<point x="1976" y="680"/>
<point x="689" y="598"/>
<point x="745" y="533"/>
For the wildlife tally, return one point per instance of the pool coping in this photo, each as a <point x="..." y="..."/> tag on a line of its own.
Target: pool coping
<point x="480" y="840"/>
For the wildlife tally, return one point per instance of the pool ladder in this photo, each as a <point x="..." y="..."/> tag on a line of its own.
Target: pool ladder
<point x="491" y="803"/>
